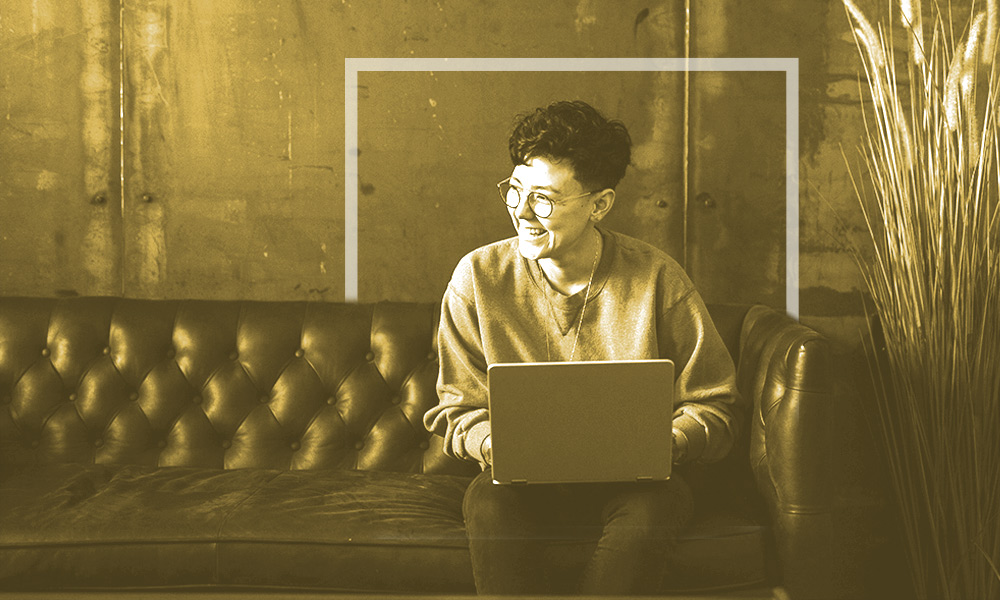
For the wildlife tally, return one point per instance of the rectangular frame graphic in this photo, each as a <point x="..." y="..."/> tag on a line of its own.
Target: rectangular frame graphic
<point x="790" y="66"/>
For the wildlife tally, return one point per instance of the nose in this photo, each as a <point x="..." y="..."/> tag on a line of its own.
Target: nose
<point x="523" y="210"/>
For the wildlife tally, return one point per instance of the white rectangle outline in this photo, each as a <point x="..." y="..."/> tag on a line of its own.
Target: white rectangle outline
<point x="790" y="66"/>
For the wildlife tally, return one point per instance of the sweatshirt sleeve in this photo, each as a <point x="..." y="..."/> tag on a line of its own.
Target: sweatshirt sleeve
<point x="462" y="415"/>
<point x="708" y="409"/>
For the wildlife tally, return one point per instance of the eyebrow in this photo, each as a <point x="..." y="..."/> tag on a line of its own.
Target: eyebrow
<point x="540" y="187"/>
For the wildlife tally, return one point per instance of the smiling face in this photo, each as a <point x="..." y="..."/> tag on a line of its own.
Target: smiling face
<point x="562" y="233"/>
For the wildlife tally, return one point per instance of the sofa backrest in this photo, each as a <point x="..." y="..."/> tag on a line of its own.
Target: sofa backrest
<point x="282" y="385"/>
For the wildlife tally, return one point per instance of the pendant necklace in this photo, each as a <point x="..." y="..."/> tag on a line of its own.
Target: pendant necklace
<point x="583" y="310"/>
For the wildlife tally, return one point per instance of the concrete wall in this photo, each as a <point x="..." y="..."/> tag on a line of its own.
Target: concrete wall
<point x="228" y="181"/>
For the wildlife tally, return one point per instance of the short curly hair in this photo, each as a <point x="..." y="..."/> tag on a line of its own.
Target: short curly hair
<point x="599" y="150"/>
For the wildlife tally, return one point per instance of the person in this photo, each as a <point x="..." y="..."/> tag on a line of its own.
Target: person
<point x="565" y="288"/>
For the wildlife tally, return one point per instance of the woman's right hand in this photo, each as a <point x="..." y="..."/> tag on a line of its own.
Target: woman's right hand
<point x="487" y="450"/>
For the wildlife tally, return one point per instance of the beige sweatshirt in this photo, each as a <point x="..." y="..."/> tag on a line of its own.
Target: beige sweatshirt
<point x="499" y="307"/>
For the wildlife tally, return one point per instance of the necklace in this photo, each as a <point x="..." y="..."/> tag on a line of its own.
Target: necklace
<point x="583" y="310"/>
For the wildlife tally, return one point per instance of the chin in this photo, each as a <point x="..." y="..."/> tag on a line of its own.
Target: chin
<point x="530" y="251"/>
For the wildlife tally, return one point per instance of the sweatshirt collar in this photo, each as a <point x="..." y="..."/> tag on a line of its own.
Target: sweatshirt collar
<point x="571" y="304"/>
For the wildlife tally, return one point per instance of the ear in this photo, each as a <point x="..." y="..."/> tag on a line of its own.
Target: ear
<point x="602" y="204"/>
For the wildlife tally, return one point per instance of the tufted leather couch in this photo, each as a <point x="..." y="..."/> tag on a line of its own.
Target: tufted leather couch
<point x="279" y="445"/>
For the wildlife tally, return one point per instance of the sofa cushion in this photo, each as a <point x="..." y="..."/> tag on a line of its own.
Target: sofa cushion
<point x="351" y="530"/>
<point x="94" y="527"/>
<point x="98" y="527"/>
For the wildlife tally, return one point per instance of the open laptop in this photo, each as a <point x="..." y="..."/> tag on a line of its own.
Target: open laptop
<point x="563" y="422"/>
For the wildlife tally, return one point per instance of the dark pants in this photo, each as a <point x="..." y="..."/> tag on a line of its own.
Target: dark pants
<point x="634" y="524"/>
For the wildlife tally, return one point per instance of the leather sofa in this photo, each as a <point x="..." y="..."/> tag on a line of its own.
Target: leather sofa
<point x="279" y="446"/>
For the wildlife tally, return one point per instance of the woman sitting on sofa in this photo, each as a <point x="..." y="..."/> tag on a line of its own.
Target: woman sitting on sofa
<point x="567" y="289"/>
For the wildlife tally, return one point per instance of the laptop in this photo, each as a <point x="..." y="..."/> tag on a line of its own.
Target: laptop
<point x="568" y="422"/>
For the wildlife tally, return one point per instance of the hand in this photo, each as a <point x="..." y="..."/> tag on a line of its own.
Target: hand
<point x="680" y="445"/>
<point x="487" y="450"/>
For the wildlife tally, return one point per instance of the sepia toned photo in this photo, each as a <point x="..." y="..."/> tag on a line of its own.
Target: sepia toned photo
<point x="463" y="298"/>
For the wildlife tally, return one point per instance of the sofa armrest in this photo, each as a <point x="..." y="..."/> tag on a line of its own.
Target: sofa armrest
<point x="785" y="370"/>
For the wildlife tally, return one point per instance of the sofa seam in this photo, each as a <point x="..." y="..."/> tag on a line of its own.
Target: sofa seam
<point x="107" y="426"/>
<point x="347" y="375"/>
<point x="55" y="408"/>
<point x="738" y="532"/>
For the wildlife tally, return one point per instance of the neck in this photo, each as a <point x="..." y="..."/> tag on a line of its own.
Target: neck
<point x="574" y="272"/>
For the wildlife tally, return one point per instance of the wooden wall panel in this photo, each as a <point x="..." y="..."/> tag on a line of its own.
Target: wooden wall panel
<point x="736" y="215"/>
<point x="736" y="242"/>
<point x="60" y="222"/>
<point x="233" y="153"/>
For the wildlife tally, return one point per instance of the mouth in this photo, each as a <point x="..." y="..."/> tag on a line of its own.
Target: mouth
<point x="532" y="232"/>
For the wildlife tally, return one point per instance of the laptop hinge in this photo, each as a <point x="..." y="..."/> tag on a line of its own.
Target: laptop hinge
<point x="644" y="478"/>
<point x="519" y="481"/>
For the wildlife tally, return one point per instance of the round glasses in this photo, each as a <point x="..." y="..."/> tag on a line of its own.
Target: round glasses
<point x="540" y="204"/>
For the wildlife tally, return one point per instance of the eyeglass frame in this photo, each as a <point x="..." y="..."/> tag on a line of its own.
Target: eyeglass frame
<point x="551" y="203"/>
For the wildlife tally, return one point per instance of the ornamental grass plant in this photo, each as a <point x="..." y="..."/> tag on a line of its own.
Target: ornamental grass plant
<point x="932" y="164"/>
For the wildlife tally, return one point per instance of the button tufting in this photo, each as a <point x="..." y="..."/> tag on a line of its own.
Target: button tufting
<point x="234" y="355"/>
<point x="171" y="353"/>
<point x="46" y="352"/>
<point x="300" y="353"/>
<point x="359" y="445"/>
<point x="161" y="444"/>
<point x="196" y="399"/>
<point x="432" y="355"/>
<point x="72" y="397"/>
<point x="396" y="399"/>
<point x="331" y="400"/>
<point x="264" y="399"/>
<point x="98" y="443"/>
<point x="424" y="445"/>
<point x="106" y="351"/>
<point x="295" y="446"/>
<point x="133" y="396"/>
<point x="370" y="356"/>
<point x="227" y="444"/>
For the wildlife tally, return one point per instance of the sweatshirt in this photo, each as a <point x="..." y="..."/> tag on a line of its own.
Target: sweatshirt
<point x="499" y="307"/>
